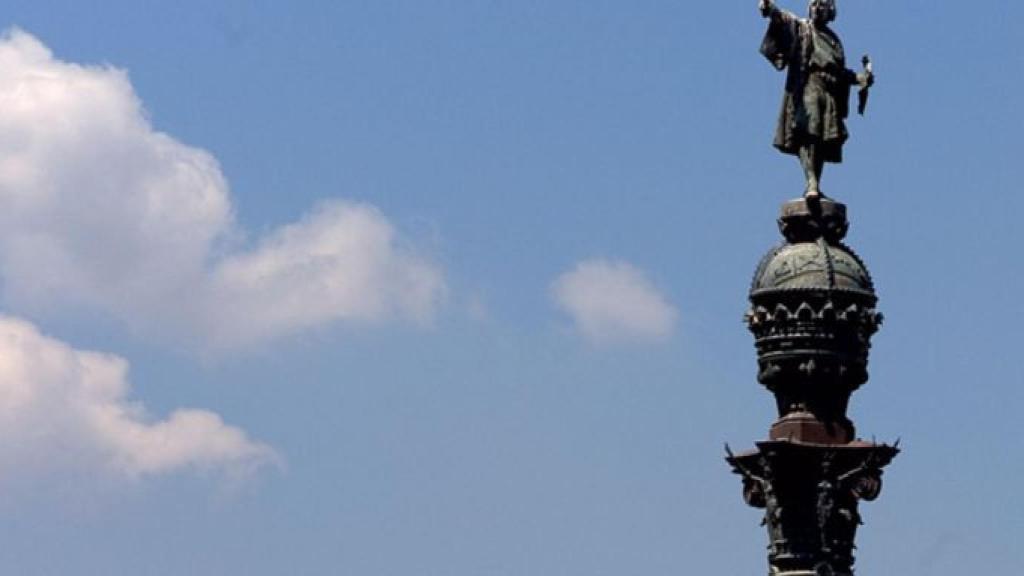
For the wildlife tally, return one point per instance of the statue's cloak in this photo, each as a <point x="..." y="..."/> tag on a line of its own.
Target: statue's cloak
<point x="816" y="101"/>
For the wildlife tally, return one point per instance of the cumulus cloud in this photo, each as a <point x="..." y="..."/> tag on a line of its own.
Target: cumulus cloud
<point x="341" y="262"/>
<point x="611" y="301"/>
<point x="68" y="410"/>
<point x="99" y="211"/>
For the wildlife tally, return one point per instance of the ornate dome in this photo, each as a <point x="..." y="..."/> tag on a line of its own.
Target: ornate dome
<point x="812" y="266"/>
<point x="812" y="315"/>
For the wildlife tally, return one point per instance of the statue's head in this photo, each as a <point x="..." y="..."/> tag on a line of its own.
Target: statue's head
<point x="822" y="11"/>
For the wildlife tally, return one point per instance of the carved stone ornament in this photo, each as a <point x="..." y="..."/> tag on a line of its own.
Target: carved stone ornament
<point x="810" y="495"/>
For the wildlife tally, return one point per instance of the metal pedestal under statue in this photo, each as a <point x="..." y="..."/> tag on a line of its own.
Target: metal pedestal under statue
<point x="812" y="315"/>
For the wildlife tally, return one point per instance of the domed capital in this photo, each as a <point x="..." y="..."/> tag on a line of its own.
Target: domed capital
<point x="813" y="315"/>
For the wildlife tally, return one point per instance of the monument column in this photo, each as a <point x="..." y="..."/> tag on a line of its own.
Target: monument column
<point x="812" y="313"/>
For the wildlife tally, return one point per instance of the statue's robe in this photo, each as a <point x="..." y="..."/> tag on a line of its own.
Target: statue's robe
<point x="816" y="101"/>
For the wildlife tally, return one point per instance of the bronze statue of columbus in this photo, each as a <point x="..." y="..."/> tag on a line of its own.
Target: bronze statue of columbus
<point x="816" y="101"/>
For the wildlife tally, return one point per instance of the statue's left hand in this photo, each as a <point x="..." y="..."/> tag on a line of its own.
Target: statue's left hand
<point x="866" y="79"/>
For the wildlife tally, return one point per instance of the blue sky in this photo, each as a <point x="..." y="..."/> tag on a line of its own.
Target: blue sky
<point x="455" y="288"/>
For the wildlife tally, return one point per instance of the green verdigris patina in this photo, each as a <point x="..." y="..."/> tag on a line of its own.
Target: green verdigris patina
<point x="816" y="102"/>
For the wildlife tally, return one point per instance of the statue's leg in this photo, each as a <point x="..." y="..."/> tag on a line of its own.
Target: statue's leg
<point x="812" y="169"/>
<point x="819" y="167"/>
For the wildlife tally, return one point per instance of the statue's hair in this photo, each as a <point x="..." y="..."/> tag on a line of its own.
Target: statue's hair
<point x="831" y="5"/>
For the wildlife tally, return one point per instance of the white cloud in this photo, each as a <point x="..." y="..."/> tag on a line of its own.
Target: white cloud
<point x="99" y="211"/>
<point x="612" y="301"/>
<point x="68" y="410"/>
<point x="341" y="262"/>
